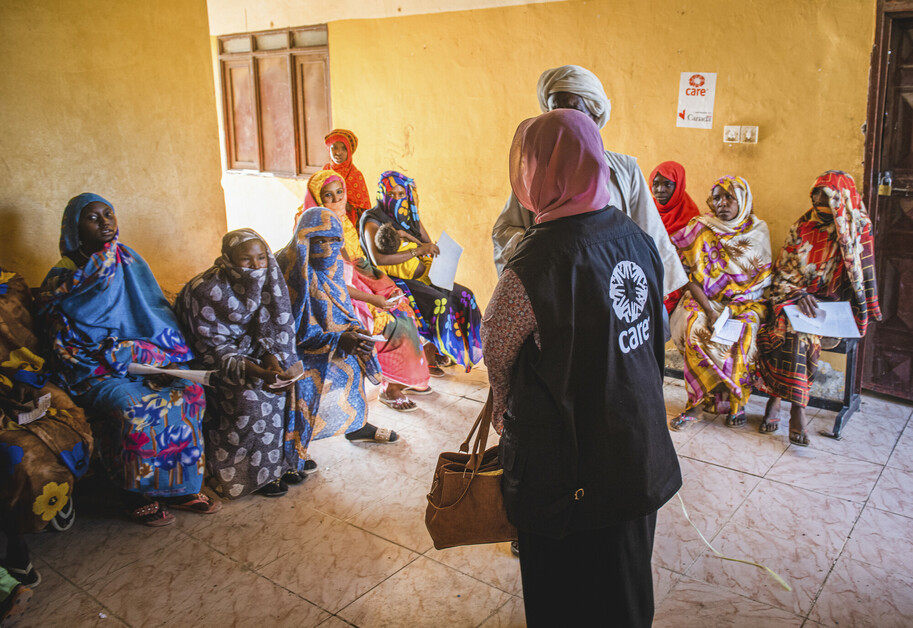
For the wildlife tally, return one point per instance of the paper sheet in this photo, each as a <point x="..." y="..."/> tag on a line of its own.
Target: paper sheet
<point x="197" y="377"/>
<point x="726" y="330"/>
<point x="289" y="376"/>
<point x="834" y="320"/>
<point x="443" y="270"/>
<point x="377" y="338"/>
<point x="39" y="408"/>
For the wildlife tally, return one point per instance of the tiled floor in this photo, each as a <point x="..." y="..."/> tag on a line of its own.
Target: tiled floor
<point x="349" y="546"/>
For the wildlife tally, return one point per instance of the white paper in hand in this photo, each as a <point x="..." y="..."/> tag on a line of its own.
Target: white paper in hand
<point x="727" y="330"/>
<point x="377" y="338"/>
<point x="444" y="267"/>
<point x="197" y="377"/>
<point x="289" y="376"/>
<point x="833" y="319"/>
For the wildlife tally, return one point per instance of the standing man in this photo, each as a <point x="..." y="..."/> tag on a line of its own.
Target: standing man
<point x="574" y="87"/>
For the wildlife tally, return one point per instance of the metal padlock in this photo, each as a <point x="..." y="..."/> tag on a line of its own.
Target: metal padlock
<point x="885" y="184"/>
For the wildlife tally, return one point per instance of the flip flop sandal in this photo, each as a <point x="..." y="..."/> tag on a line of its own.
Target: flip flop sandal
<point x="27" y="577"/>
<point x="445" y="360"/>
<point x="381" y="435"/>
<point x="735" y="421"/>
<point x="774" y="423"/>
<point x="400" y="405"/>
<point x="13" y="607"/>
<point x="796" y="436"/>
<point x="65" y="517"/>
<point x="309" y="467"/>
<point x="682" y="422"/>
<point x="200" y="503"/>
<point x="153" y="515"/>
<point x="436" y="371"/>
<point x="419" y="391"/>
<point x="293" y="477"/>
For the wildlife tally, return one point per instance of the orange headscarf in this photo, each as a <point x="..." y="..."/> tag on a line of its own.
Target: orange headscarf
<point x="356" y="189"/>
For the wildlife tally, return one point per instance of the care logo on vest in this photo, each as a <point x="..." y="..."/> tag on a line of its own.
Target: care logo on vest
<point x="628" y="291"/>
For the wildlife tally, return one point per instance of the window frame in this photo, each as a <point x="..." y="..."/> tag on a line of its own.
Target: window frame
<point x="296" y="98"/>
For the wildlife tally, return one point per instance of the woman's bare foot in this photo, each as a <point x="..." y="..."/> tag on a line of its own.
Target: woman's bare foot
<point x="798" y="429"/>
<point x="393" y="397"/>
<point x="771" y="422"/>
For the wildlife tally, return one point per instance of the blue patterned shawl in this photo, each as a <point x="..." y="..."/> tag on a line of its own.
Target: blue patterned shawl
<point x="321" y="307"/>
<point x="107" y="314"/>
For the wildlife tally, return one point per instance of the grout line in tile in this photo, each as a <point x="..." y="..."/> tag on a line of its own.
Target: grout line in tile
<point x="245" y="567"/>
<point x="110" y="613"/>
<point x="469" y="575"/>
<point x="497" y="610"/>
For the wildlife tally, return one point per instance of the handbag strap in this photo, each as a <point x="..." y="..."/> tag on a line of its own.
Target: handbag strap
<point x="482" y="424"/>
<point x="481" y="427"/>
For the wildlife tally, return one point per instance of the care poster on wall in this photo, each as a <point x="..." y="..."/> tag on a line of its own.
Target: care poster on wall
<point x="696" y="91"/>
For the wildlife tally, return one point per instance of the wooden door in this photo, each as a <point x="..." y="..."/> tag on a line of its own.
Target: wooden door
<point x="888" y="353"/>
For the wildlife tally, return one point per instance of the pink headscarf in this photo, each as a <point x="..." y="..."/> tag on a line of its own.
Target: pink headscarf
<point x="558" y="166"/>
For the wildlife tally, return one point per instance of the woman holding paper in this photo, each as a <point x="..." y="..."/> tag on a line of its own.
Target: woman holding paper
<point x="237" y="317"/>
<point x="448" y="318"/>
<point x="379" y="305"/>
<point x="727" y="256"/>
<point x="102" y="311"/>
<point x="828" y="256"/>
<point x="337" y="352"/>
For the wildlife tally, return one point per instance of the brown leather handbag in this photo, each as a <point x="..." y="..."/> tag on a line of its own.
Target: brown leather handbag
<point x="465" y="506"/>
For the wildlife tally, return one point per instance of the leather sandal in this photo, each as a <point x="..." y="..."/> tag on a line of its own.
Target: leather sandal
<point x="200" y="503"/>
<point x="13" y="607"/>
<point x="153" y="515"/>
<point x="736" y="420"/>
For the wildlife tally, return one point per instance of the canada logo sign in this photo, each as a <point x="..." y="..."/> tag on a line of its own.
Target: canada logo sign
<point x="695" y="100"/>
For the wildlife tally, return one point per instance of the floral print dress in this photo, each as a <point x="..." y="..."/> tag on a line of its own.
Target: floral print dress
<point x="731" y="262"/>
<point x="39" y="461"/>
<point x="100" y="318"/>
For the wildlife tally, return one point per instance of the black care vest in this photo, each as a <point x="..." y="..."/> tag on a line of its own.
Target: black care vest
<point x="585" y="443"/>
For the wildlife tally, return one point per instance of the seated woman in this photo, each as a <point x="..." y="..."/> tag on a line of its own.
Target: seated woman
<point x="237" y="317"/>
<point x="103" y="311"/>
<point x="727" y="256"/>
<point x="675" y="206"/>
<point x="342" y="144"/>
<point x="336" y="359"/>
<point x="378" y="304"/>
<point x="390" y="241"/>
<point x="41" y="458"/>
<point x="448" y="318"/>
<point x="828" y="256"/>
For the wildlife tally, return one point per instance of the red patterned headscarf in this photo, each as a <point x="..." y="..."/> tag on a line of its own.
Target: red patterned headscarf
<point x="854" y="237"/>
<point x="356" y="188"/>
<point x="681" y="207"/>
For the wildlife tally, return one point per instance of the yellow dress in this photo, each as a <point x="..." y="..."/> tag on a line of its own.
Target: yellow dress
<point x="406" y="270"/>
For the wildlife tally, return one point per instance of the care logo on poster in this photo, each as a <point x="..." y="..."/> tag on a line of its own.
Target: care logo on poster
<point x="695" y="100"/>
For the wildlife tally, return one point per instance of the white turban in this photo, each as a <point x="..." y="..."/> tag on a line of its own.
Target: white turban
<point x="576" y="80"/>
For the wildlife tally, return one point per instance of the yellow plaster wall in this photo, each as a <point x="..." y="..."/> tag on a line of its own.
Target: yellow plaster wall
<point x="439" y="96"/>
<point x="114" y="98"/>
